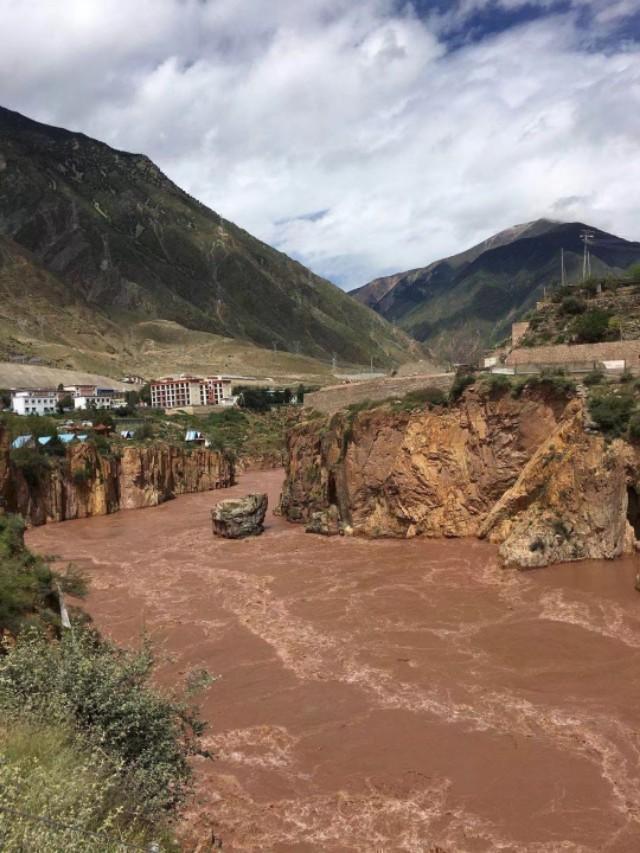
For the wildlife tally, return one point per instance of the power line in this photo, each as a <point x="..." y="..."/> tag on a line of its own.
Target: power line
<point x="586" y="237"/>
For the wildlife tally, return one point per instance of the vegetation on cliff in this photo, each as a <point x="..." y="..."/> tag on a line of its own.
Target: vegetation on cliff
<point x="593" y="311"/>
<point x="92" y="756"/>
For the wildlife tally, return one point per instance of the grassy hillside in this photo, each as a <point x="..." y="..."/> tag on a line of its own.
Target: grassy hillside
<point x="472" y="298"/>
<point x="105" y="244"/>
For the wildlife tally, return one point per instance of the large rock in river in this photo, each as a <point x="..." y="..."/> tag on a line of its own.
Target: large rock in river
<point x="237" y="517"/>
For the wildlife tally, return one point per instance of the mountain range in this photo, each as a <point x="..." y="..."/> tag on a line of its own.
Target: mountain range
<point x="470" y="299"/>
<point x="102" y="255"/>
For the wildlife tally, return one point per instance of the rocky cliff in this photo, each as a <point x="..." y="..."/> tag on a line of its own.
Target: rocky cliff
<point x="85" y="483"/>
<point x="525" y="473"/>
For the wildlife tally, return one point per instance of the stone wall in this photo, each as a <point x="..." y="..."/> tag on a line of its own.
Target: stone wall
<point x="566" y="354"/>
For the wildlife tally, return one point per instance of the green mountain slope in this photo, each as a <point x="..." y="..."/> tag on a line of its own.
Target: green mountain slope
<point x="126" y="245"/>
<point x="477" y="294"/>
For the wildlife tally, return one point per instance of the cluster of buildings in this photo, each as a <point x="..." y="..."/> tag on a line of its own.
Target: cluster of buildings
<point x="183" y="391"/>
<point x="170" y="392"/>
<point x="44" y="401"/>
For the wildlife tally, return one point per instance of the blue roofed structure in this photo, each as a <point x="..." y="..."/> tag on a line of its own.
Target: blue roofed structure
<point x="21" y="441"/>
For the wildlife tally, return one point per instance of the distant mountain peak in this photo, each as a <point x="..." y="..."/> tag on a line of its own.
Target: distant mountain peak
<point x="480" y="291"/>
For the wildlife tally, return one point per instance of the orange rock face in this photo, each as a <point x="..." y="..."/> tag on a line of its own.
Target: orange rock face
<point x="522" y="472"/>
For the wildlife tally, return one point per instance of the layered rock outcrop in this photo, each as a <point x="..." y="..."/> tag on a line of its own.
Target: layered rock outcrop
<point x="525" y="473"/>
<point x="570" y="502"/>
<point x="85" y="482"/>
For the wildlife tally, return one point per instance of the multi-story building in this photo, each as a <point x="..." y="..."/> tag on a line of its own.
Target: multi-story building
<point x="179" y="392"/>
<point x="34" y="402"/>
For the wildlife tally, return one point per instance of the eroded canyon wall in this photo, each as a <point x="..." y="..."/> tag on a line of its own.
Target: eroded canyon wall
<point x="526" y="473"/>
<point x="85" y="482"/>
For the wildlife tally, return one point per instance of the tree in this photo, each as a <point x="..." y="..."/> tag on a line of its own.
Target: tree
<point x="132" y="398"/>
<point x="144" y="394"/>
<point x="64" y="403"/>
<point x="592" y="327"/>
<point x="5" y="398"/>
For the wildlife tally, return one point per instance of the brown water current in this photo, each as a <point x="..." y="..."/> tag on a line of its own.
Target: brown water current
<point x="381" y="695"/>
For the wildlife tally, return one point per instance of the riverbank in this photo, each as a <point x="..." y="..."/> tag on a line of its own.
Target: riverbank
<point x="387" y="694"/>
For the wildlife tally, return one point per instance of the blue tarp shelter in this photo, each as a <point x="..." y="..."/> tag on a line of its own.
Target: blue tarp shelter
<point x="21" y="441"/>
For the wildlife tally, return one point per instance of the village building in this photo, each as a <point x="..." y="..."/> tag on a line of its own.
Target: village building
<point x="187" y="391"/>
<point x="95" y="397"/>
<point x="34" y="402"/>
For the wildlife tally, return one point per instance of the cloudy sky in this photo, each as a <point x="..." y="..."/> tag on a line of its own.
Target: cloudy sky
<point x="361" y="136"/>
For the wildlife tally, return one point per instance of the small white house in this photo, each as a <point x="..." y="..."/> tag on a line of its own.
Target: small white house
<point x="36" y="402"/>
<point x="104" y="400"/>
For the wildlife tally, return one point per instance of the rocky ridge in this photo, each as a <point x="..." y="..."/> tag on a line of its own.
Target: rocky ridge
<point x="527" y="474"/>
<point x="85" y="482"/>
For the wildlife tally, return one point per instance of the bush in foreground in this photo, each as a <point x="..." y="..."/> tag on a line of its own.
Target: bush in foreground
<point x="103" y="693"/>
<point x="56" y="794"/>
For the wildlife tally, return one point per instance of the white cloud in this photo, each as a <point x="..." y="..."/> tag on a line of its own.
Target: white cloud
<point x="270" y="111"/>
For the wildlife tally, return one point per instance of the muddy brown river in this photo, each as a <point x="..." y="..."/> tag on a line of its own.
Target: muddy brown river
<point x="381" y="695"/>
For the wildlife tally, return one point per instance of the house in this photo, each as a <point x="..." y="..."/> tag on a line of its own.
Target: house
<point x="110" y="400"/>
<point x="34" y="402"/>
<point x="95" y="397"/>
<point x="178" y="392"/>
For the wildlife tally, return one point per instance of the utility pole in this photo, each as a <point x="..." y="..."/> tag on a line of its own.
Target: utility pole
<point x="334" y="361"/>
<point x="562" y="275"/>
<point x="586" y="236"/>
<point x="371" y="371"/>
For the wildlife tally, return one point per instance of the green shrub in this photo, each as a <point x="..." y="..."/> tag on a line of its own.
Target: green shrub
<point x="430" y="396"/>
<point x="633" y="431"/>
<point x="28" y="586"/>
<point x="496" y="383"/>
<point x="594" y="377"/>
<point x="634" y="272"/>
<point x="460" y="383"/>
<point x="551" y="381"/>
<point x="144" y="431"/>
<point x="571" y="305"/>
<point x="68" y="797"/>
<point x="55" y="447"/>
<point x="626" y="376"/>
<point x="611" y="411"/>
<point x="592" y="327"/>
<point x="32" y="462"/>
<point x="103" y="692"/>
<point x="26" y="582"/>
